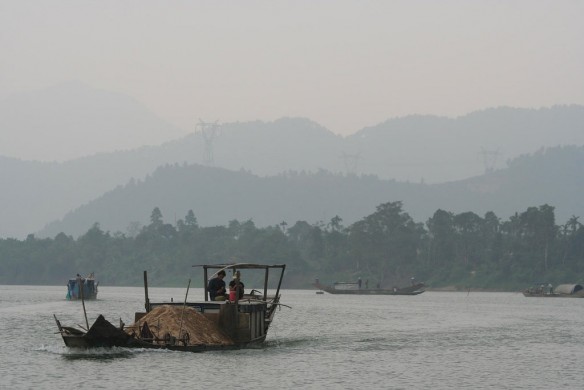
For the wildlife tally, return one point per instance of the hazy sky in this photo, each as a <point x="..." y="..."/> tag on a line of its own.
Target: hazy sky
<point x="344" y="64"/>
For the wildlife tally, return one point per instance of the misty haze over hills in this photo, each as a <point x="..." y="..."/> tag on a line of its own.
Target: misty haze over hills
<point x="417" y="149"/>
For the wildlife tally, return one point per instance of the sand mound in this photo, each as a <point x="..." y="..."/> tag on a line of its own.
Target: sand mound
<point x="167" y="319"/>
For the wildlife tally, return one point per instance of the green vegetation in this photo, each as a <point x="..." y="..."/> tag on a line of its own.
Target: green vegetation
<point x="387" y="247"/>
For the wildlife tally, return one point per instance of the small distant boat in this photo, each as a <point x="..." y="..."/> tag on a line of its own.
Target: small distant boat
<point x="354" y="288"/>
<point x="82" y="287"/>
<point x="192" y="326"/>
<point x="561" y="291"/>
<point x="320" y="292"/>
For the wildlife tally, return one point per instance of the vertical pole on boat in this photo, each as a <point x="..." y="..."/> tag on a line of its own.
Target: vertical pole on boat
<point x="147" y="301"/>
<point x="205" y="281"/>
<point x="183" y="310"/>
<point x="280" y="282"/>
<point x="83" y="302"/>
<point x="266" y="276"/>
<point x="236" y="275"/>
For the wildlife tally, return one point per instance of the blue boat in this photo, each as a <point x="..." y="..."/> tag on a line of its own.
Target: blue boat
<point x="82" y="287"/>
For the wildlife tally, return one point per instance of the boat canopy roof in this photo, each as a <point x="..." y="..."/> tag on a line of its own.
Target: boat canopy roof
<point x="240" y="266"/>
<point x="568" y="288"/>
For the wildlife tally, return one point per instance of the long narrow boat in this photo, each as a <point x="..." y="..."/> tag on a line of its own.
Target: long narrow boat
<point x="353" y="288"/>
<point x="561" y="291"/>
<point x="193" y="326"/>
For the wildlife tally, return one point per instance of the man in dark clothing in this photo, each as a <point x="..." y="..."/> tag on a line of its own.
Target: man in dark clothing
<point x="216" y="287"/>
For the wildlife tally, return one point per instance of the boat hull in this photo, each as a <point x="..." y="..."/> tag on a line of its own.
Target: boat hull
<point x="532" y="295"/>
<point x="103" y="334"/>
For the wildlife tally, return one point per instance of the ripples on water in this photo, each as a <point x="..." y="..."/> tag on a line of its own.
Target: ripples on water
<point x="437" y="340"/>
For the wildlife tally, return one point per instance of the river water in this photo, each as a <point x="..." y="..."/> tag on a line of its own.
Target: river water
<point x="439" y="340"/>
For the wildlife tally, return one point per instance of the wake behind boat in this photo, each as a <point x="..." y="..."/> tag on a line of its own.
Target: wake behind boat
<point x="240" y="321"/>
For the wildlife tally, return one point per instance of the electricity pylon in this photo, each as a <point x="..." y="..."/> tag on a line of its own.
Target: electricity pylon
<point x="209" y="131"/>
<point x="490" y="159"/>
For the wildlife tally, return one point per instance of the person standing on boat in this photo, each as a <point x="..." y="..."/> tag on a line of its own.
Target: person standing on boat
<point x="216" y="287"/>
<point x="237" y="284"/>
<point x="359" y="282"/>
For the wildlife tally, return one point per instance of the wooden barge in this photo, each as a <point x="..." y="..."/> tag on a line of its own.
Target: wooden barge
<point x="561" y="291"/>
<point x="192" y="326"/>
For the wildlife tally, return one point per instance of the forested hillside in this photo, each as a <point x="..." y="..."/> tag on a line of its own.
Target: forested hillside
<point x="388" y="246"/>
<point x="217" y="195"/>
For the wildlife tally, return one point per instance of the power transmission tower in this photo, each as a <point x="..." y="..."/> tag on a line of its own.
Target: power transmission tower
<point x="209" y="131"/>
<point x="490" y="159"/>
<point x="350" y="161"/>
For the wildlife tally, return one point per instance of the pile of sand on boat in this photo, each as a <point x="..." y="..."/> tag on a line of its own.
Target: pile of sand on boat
<point x="163" y="320"/>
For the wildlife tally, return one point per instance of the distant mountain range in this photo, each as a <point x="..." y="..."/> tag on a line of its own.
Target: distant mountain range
<point x="416" y="149"/>
<point x="72" y="120"/>
<point x="426" y="161"/>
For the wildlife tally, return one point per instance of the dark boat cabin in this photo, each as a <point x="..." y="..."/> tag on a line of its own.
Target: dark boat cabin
<point x="80" y="285"/>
